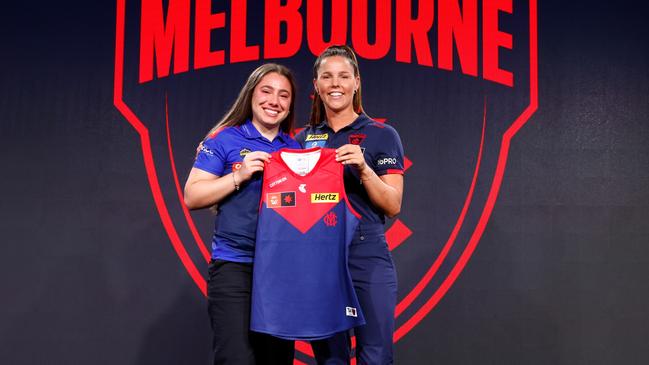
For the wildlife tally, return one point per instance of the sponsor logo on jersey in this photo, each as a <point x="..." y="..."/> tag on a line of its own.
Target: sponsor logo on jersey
<point x="315" y="144"/>
<point x="288" y="199"/>
<point x="272" y="200"/>
<point x="317" y="137"/>
<point x="357" y="138"/>
<point x="324" y="198"/>
<point x="302" y="188"/>
<point x="244" y="152"/>
<point x="277" y="182"/>
<point x="236" y="166"/>
<point x="351" y="312"/>
<point x="280" y="200"/>
<point x="330" y="219"/>
<point x="205" y="150"/>
<point x="387" y="161"/>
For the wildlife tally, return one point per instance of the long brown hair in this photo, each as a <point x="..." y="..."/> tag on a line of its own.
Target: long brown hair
<point x="317" y="106"/>
<point x="241" y="109"/>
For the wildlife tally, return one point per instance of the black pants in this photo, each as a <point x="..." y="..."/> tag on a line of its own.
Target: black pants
<point x="228" y="295"/>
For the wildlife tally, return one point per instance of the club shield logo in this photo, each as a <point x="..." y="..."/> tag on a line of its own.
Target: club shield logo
<point x="471" y="75"/>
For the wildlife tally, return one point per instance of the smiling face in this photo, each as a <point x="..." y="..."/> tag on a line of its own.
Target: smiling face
<point x="336" y="84"/>
<point x="271" y="100"/>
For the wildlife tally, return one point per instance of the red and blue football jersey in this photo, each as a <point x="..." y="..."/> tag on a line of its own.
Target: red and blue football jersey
<point x="302" y="288"/>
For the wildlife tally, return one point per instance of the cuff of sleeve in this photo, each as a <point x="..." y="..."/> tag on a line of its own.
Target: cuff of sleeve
<point x="390" y="171"/>
<point x="207" y="169"/>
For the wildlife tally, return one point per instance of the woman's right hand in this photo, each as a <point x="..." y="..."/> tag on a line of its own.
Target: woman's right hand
<point x="253" y="162"/>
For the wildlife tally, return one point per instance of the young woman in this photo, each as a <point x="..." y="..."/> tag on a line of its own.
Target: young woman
<point x="227" y="173"/>
<point x="373" y="156"/>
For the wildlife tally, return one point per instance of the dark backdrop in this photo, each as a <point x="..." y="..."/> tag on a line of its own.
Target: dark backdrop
<point x="89" y="274"/>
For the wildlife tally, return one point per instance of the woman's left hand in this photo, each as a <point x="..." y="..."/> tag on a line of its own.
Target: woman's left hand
<point x="351" y="154"/>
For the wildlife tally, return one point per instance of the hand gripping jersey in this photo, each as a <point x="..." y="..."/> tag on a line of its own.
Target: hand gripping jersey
<point x="301" y="285"/>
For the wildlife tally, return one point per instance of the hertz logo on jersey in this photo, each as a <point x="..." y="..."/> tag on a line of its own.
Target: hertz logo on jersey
<point x="317" y="137"/>
<point x="325" y="198"/>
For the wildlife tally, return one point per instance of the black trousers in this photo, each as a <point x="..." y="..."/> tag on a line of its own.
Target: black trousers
<point x="229" y="288"/>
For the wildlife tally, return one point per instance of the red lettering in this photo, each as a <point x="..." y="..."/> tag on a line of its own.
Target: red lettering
<point x="163" y="38"/>
<point x="492" y="39"/>
<point x="275" y="15"/>
<point x="360" y="41"/>
<point x="314" y="15"/>
<point x="463" y="26"/>
<point x="165" y="33"/>
<point x="239" y="51"/>
<point x="417" y="29"/>
<point x="205" y="22"/>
